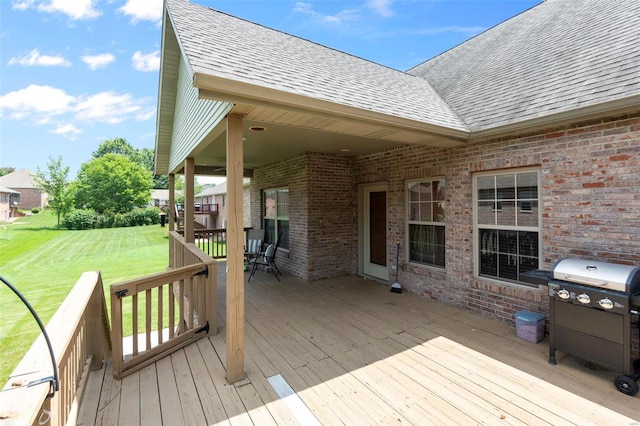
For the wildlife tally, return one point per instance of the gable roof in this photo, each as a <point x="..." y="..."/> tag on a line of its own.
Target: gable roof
<point x="557" y="63"/>
<point x="22" y="178"/>
<point x="557" y="57"/>
<point x="220" y="188"/>
<point x="223" y="46"/>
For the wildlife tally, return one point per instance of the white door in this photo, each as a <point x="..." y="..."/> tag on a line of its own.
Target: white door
<point x="375" y="232"/>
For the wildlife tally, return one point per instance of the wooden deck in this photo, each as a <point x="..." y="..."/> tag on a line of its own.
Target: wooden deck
<point x="348" y="351"/>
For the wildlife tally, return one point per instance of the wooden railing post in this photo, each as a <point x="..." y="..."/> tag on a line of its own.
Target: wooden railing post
<point x="191" y="288"/>
<point x="79" y="336"/>
<point x="97" y="323"/>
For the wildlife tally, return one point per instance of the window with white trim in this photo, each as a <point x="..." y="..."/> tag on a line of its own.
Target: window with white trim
<point x="507" y="223"/>
<point x="426" y="222"/>
<point x="276" y="216"/>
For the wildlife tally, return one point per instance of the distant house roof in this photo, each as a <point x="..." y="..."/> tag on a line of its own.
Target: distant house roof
<point x="22" y="178"/>
<point x="220" y="188"/>
<point x="8" y="191"/>
<point x="160" y="194"/>
<point x="556" y="57"/>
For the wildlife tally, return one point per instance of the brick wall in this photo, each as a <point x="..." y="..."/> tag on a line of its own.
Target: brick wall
<point x="590" y="198"/>
<point x="290" y="174"/>
<point x="30" y="198"/>
<point x="590" y="195"/>
<point x="333" y="226"/>
<point x="323" y="213"/>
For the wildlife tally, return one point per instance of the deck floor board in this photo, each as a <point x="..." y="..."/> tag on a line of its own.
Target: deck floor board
<point x="355" y="353"/>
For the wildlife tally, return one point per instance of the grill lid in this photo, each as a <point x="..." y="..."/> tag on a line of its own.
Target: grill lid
<point x="608" y="276"/>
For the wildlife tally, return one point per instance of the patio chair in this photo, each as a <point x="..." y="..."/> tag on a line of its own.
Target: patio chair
<point x="268" y="260"/>
<point x="254" y="245"/>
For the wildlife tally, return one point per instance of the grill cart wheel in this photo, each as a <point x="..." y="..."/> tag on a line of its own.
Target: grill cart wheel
<point x="626" y="384"/>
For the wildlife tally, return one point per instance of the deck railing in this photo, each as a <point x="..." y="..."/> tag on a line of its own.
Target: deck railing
<point x="213" y="241"/>
<point x="168" y="310"/>
<point x="80" y="337"/>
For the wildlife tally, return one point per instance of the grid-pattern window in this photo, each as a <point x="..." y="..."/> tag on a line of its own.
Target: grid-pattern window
<point x="276" y="216"/>
<point x="5" y="198"/>
<point x="507" y="223"/>
<point x="426" y="222"/>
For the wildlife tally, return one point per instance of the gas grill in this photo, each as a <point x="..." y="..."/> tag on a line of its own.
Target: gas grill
<point x="591" y="306"/>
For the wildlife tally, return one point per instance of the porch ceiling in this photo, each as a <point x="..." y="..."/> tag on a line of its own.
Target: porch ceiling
<point x="291" y="131"/>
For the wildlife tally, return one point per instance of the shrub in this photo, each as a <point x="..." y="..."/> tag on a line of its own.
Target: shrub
<point x="88" y="219"/>
<point x="35" y="210"/>
<point x="136" y="217"/>
<point x="153" y="215"/>
<point x="80" y="219"/>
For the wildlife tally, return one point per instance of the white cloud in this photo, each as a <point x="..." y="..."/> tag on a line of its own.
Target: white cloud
<point x="74" y="9"/>
<point x="145" y="63"/>
<point x="381" y="7"/>
<point x="107" y="107"/>
<point x="38" y="102"/>
<point x="67" y="130"/>
<point x="343" y="16"/>
<point x="98" y="61"/>
<point x="146" y="114"/>
<point x="67" y="114"/>
<point x="143" y="10"/>
<point x="22" y="5"/>
<point x="469" y="31"/>
<point x="34" y="58"/>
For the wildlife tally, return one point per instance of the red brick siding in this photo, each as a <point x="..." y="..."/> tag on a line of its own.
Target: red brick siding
<point x="290" y="174"/>
<point x="30" y="198"/>
<point x="322" y="206"/>
<point x="332" y="202"/>
<point x="590" y="196"/>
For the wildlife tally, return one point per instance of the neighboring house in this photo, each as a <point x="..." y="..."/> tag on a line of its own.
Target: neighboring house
<point x="211" y="208"/>
<point x="23" y="181"/>
<point x="517" y="148"/>
<point x="159" y="198"/>
<point x="9" y="202"/>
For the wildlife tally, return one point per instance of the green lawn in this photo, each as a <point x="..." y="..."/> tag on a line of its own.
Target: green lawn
<point x="44" y="263"/>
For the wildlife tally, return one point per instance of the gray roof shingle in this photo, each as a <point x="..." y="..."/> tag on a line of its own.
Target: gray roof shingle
<point x="221" y="45"/>
<point x="558" y="56"/>
<point x="21" y="178"/>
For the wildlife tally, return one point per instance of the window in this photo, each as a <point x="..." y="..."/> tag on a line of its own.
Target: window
<point x="276" y="216"/>
<point x="426" y="222"/>
<point x="508" y="237"/>
<point x="5" y="198"/>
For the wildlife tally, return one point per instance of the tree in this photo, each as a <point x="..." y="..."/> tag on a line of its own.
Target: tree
<point x="115" y="146"/>
<point x="114" y="183"/>
<point x="55" y="184"/>
<point x="144" y="157"/>
<point x="6" y="170"/>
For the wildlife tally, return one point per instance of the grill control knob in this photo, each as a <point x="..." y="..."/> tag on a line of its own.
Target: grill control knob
<point x="584" y="298"/>
<point x="605" y="303"/>
<point x="563" y="294"/>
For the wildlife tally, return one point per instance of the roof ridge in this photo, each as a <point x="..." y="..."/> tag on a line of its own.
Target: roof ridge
<point x="475" y="36"/>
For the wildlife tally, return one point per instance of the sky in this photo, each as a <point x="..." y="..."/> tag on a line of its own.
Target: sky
<point x="74" y="73"/>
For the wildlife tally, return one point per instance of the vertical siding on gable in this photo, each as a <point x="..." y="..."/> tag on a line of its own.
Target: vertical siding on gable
<point x="193" y="119"/>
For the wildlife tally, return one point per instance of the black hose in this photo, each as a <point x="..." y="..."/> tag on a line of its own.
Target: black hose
<point x="53" y="380"/>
